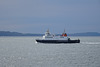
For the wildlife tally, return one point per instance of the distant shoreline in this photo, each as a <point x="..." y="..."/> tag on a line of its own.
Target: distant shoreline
<point x="8" y="33"/>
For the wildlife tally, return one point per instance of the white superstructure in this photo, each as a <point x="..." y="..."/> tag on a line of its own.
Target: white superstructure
<point x="49" y="36"/>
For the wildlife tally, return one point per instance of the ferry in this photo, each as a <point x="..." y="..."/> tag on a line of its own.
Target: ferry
<point x="50" y="38"/>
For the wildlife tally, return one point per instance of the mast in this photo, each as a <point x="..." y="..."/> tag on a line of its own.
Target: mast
<point x="64" y="30"/>
<point x="64" y="34"/>
<point x="48" y="31"/>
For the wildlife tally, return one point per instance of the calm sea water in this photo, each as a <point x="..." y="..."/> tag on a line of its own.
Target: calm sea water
<point x="24" y="52"/>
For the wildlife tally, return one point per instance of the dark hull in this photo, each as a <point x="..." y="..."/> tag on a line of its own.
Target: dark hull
<point x="58" y="41"/>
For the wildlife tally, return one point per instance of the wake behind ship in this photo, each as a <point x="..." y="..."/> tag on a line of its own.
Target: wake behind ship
<point x="49" y="38"/>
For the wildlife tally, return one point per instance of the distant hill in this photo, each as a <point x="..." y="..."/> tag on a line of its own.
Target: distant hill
<point x="8" y="33"/>
<point x="85" y="34"/>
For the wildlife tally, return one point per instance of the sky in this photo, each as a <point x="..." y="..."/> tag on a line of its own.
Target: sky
<point x="36" y="16"/>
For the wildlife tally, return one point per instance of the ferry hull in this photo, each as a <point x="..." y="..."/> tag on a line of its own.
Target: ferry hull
<point x="58" y="41"/>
